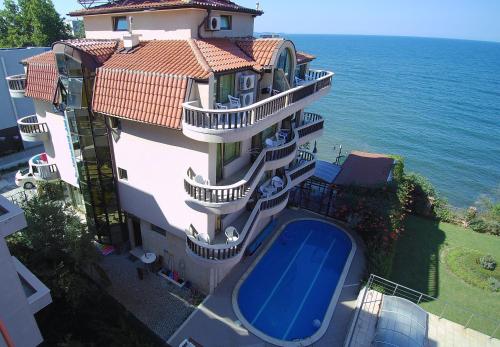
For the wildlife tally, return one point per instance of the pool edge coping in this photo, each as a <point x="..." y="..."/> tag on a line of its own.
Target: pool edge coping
<point x="331" y="306"/>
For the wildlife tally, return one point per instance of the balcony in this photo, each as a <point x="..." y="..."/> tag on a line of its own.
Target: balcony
<point x="42" y="169"/>
<point x="221" y="126"/>
<point x="222" y="251"/>
<point x="310" y="128"/>
<point x="17" y="85"/>
<point x="31" y="130"/>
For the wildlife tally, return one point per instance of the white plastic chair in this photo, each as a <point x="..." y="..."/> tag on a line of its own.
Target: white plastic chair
<point x="199" y="179"/>
<point x="231" y="234"/>
<point x="277" y="182"/>
<point x="269" y="142"/>
<point x="234" y="102"/>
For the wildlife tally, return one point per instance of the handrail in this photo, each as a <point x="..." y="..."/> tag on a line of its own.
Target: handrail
<point x="227" y="251"/>
<point x="5" y="334"/>
<point x="242" y="188"/>
<point x="238" y="190"/>
<point x="219" y="119"/>
<point x="31" y="125"/>
<point x="17" y="82"/>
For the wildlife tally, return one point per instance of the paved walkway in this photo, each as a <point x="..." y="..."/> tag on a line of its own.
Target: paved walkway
<point x="442" y="332"/>
<point x="158" y="304"/>
<point x="214" y="323"/>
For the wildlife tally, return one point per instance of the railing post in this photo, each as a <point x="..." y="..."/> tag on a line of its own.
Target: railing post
<point x="442" y="311"/>
<point x="419" y="299"/>
<point x="395" y="288"/>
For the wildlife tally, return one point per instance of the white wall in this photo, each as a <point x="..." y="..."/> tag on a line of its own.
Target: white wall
<point x="165" y="25"/>
<point x="58" y="147"/>
<point x="156" y="160"/>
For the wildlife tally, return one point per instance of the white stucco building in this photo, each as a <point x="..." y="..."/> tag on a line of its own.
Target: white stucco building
<point x="23" y="294"/>
<point x="175" y="130"/>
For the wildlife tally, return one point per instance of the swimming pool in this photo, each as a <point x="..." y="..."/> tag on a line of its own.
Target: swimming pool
<point x="288" y="296"/>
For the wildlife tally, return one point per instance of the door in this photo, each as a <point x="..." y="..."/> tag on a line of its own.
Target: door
<point x="136" y="226"/>
<point x="220" y="163"/>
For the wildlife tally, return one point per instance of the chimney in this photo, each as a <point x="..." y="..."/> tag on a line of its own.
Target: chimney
<point x="130" y="41"/>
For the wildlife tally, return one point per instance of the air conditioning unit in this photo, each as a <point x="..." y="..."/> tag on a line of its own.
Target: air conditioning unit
<point x="247" y="99"/>
<point x="247" y="82"/>
<point x="213" y="23"/>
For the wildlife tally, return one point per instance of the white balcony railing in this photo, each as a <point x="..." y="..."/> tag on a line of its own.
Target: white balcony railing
<point x="217" y="124"/>
<point x="42" y="169"/>
<point x="303" y="169"/>
<point x="17" y="85"/>
<point x="230" y="198"/>
<point x="32" y="130"/>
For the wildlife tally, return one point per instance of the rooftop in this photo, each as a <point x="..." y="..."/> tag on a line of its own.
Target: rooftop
<point x="120" y="6"/>
<point x="365" y="169"/>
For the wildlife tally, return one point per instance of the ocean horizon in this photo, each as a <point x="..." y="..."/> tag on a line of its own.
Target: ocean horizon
<point x="434" y="101"/>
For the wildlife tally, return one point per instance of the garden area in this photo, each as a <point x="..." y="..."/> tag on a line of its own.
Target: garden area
<point x="57" y="247"/>
<point x="444" y="261"/>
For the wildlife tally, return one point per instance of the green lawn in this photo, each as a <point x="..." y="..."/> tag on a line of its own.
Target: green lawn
<point x="418" y="264"/>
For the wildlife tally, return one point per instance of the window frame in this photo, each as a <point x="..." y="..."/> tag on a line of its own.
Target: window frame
<point x="122" y="174"/>
<point x="116" y="20"/>
<point x="236" y="155"/>
<point x="229" y="22"/>
<point x="158" y="229"/>
<point x="219" y="86"/>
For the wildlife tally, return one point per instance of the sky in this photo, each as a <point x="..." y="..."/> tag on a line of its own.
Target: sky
<point x="461" y="19"/>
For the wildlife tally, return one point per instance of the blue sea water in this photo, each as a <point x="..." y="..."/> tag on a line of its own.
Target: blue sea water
<point x="434" y="101"/>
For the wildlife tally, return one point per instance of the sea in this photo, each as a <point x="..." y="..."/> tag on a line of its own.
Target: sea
<point x="436" y="102"/>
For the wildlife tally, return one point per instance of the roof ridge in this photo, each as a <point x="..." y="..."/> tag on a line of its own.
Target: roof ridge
<point x="141" y="72"/>
<point x="199" y="56"/>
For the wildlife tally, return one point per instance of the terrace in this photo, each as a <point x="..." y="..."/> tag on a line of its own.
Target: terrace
<point x="32" y="130"/>
<point x="230" y="125"/>
<point x="17" y="85"/>
<point x="42" y="169"/>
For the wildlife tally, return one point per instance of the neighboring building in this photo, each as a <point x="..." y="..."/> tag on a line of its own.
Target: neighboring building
<point x="170" y="123"/>
<point x="23" y="294"/>
<point x="13" y="109"/>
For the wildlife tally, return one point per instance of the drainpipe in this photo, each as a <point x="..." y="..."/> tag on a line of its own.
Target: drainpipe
<point x="205" y="20"/>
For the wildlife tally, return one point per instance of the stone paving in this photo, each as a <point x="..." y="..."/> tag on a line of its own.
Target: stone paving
<point x="441" y="332"/>
<point x="158" y="304"/>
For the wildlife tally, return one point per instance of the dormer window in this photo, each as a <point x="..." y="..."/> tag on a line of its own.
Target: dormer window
<point x="226" y="22"/>
<point x="120" y="23"/>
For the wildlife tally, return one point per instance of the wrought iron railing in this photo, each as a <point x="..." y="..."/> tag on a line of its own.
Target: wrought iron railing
<point x="17" y="83"/>
<point x="30" y="125"/>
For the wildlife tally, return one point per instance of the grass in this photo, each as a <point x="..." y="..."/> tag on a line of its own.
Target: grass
<point x="418" y="264"/>
<point x="464" y="263"/>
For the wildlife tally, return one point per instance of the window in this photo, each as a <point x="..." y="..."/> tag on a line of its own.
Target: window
<point x="231" y="151"/>
<point x="115" y="123"/>
<point x="226" y="22"/>
<point x="120" y="23"/>
<point x="225" y="87"/>
<point x="159" y="230"/>
<point x="122" y="174"/>
<point x="285" y="62"/>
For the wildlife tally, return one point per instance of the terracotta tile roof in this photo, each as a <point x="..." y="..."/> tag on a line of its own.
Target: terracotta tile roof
<point x="141" y="5"/>
<point x="365" y="169"/>
<point x="260" y="50"/>
<point x="223" y="55"/>
<point x="303" y="57"/>
<point x="148" y="84"/>
<point x="172" y="57"/>
<point x="143" y="97"/>
<point x="101" y="50"/>
<point x="42" y="77"/>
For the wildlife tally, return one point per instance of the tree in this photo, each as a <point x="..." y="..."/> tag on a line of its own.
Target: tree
<point x="31" y="23"/>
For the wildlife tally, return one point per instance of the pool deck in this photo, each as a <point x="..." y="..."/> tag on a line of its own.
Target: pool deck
<point x="214" y="323"/>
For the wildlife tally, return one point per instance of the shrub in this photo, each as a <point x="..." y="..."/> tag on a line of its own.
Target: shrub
<point x="494" y="284"/>
<point x="488" y="262"/>
<point x="51" y="191"/>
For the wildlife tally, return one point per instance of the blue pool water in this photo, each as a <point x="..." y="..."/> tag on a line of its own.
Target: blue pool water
<point x="292" y="285"/>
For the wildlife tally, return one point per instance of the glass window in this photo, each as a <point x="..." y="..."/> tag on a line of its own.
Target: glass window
<point x="122" y="174"/>
<point x="231" y="151"/>
<point x="120" y="23"/>
<point x="225" y="87"/>
<point x="159" y="230"/>
<point x="225" y="23"/>
<point x="285" y="63"/>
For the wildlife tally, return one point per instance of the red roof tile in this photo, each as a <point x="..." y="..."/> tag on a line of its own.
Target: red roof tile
<point x="143" y="97"/>
<point x="101" y="50"/>
<point x="223" y="55"/>
<point x="303" y="57"/>
<point x="42" y="77"/>
<point x="365" y="169"/>
<point x="260" y="50"/>
<point x="141" y="5"/>
<point x="148" y="84"/>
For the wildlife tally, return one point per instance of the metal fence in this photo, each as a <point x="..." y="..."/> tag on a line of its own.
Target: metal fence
<point x="452" y="312"/>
